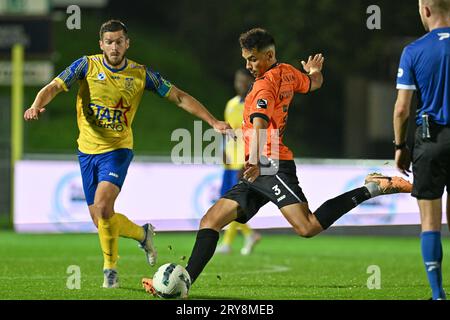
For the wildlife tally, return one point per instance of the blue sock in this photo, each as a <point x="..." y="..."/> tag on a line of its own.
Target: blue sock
<point x="432" y="258"/>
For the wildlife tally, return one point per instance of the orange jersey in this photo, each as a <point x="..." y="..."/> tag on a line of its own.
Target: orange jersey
<point x="269" y="99"/>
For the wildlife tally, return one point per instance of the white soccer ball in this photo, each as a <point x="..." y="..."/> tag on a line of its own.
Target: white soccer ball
<point x="171" y="281"/>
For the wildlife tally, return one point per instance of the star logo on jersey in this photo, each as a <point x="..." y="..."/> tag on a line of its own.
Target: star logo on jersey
<point x="120" y="106"/>
<point x="443" y="35"/>
<point x="261" y="104"/>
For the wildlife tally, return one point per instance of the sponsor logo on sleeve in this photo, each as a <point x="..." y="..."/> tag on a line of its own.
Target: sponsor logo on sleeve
<point x="261" y="104"/>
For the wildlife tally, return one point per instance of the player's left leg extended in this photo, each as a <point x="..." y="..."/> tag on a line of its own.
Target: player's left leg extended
<point x="308" y="224"/>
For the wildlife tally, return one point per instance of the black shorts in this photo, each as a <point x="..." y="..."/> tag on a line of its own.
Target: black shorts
<point x="431" y="163"/>
<point x="281" y="188"/>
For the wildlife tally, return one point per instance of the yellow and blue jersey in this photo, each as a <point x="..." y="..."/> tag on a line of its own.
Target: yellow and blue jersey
<point x="108" y="99"/>
<point x="234" y="150"/>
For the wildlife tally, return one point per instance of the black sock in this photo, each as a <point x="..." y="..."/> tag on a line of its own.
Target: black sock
<point x="204" y="248"/>
<point x="335" y="208"/>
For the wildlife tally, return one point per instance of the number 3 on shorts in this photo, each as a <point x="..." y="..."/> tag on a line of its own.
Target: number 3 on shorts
<point x="276" y="189"/>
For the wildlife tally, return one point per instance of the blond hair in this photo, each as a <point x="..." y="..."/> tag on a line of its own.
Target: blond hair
<point x="441" y="6"/>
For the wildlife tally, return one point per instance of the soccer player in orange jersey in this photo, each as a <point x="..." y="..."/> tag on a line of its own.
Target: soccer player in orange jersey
<point x="270" y="172"/>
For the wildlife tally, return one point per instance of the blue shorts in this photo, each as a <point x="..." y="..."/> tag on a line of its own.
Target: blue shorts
<point x="109" y="166"/>
<point x="230" y="178"/>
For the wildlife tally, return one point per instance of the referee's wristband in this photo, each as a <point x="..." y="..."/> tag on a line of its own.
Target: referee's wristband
<point x="400" y="146"/>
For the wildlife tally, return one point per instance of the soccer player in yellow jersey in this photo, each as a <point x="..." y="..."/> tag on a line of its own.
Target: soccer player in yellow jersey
<point x="234" y="163"/>
<point x="111" y="87"/>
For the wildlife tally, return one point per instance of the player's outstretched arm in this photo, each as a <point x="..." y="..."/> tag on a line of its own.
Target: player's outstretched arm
<point x="314" y="67"/>
<point x="193" y="106"/>
<point x="43" y="98"/>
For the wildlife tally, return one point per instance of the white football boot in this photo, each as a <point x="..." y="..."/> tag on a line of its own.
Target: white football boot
<point x="147" y="244"/>
<point x="110" y="278"/>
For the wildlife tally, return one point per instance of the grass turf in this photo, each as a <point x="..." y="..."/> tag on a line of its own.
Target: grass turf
<point x="282" y="267"/>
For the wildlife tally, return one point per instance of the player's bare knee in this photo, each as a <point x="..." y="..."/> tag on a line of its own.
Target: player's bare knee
<point x="209" y="221"/>
<point x="299" y="230"/>
<point x="102" y="211"/>
<point x="206" y="222"/>
<point x="310" y="233"/>
<point x="305" y="231"/>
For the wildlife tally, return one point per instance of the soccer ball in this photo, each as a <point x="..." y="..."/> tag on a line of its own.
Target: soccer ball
<point x="171" y="281"/>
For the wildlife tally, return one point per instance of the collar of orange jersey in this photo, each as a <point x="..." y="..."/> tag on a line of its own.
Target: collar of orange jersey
<point x="271" y="67"/>
<point x="112" y="69"/>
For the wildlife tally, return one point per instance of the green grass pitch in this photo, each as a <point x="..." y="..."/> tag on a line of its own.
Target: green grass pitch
<point x="281" y="267"/>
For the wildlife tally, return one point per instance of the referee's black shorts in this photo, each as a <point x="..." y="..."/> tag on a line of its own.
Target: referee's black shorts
<point x="431" y="163"/>
<point x="281" y="188"/>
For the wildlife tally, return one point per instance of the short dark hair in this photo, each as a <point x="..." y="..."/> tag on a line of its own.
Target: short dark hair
<point x="256" y="38"/>
<point x="113" y="26"/>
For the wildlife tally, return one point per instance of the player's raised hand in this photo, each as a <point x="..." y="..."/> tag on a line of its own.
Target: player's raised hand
<point x="314" y="63"/>
<point x="33" y="113"/>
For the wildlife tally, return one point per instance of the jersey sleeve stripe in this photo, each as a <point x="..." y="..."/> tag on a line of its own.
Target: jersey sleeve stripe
<point x="406" y="87"/>
<point x="154" y="79"/>
<point x="259" y="115"/>
<point x="64" y="76"/>
<point x="81" y="70"/>
<point x="76" y="71"/>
